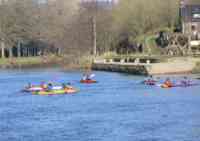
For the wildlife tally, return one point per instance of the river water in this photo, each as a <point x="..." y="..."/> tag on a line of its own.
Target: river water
<point x="117" y="108"/>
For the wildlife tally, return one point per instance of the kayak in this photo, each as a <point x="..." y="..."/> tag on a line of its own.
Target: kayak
<point x="186" y="85"/>
<point x="56" y="92"/>
<point x="88" y="81"/>
<point x="177" y="85"/>
<point x="166" y="86"/>
<point x="39" y="88"/>
<point x="149" y="82"/>
<point x="32" y="89"/>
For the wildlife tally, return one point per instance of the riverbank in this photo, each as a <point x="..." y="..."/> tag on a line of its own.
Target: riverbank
<point x="64" y="62"/>
<point x="29" y="62"/>
<point x="174" y="65"/>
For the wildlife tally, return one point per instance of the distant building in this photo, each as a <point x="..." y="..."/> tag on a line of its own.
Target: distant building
<point x="190" y="15"/>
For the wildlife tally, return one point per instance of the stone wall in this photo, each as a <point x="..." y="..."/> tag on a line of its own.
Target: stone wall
<point x="132" y="69"/>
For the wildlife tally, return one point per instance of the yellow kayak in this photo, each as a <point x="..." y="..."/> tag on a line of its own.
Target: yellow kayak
<point x="56" y="92"/>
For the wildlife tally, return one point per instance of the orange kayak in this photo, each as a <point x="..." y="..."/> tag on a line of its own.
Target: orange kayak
<point x="166" y="86"/>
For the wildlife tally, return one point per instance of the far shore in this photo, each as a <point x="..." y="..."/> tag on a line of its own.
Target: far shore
<point x="173" y="66"/>
<point x="43" y="62"/>
<point x="27" y="62"/>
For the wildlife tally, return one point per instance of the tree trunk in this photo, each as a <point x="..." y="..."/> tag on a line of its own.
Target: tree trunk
<point x="59" y="51"/>
<point x="22" y="53"/>
<point x="35" y="54"/>
<point x="94" y="35"/>
<point x="189" y="45"/>
<point x="2" y="49"/>
<point x="27" y="52"/>
<point x="18" y="50"/>
<point x="10" y="52"/>
<point x="33" y="51"/>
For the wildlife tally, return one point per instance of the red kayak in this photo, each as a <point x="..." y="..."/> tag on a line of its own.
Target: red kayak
<point x="88" y="81"/>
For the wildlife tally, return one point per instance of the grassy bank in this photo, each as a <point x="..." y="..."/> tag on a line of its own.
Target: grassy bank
<point x="67" y="62"/>
<point x="197" y="68"/>
<point x="77" y="63"/>
<point x="28" y="61"/>
<point x="22" y="61"/>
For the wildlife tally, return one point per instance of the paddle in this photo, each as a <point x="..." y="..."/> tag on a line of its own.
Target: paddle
<point x="91" y="76"/>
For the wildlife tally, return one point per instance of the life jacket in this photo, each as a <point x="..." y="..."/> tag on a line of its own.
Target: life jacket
<point x="68" y="88"/>
<point x="44" y="86"/>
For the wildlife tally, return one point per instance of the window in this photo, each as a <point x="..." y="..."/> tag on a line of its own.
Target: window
<point x="196" y="12"/>
<point x="196" y="16"/>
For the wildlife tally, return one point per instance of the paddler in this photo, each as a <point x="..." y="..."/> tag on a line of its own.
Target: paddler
<point x="29" y="85"/>
<point x="150" y="81"/>
<point x="64" y="86"/>
<point x="168" y="83"/>
<point x="49" y="87"/>
<point x="43" y="85"/>
<point x="86" y="77"/>
<point x="67" y="87"/>
<point x="185" y="81"/>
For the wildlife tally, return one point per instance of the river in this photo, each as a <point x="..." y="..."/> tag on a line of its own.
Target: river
<point x="117" y="108"/>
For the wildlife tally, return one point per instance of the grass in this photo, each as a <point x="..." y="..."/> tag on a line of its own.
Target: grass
<point x="66" y="62"/>
<point x="24" y="60"/>
<point x="142" y="56"/>
<point x="151" y="44"/>
<point x="86" y="62"/>
<point x="197" y="68"/>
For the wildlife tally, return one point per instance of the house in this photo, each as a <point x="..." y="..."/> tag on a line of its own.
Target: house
<point x="190" y="17"/>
